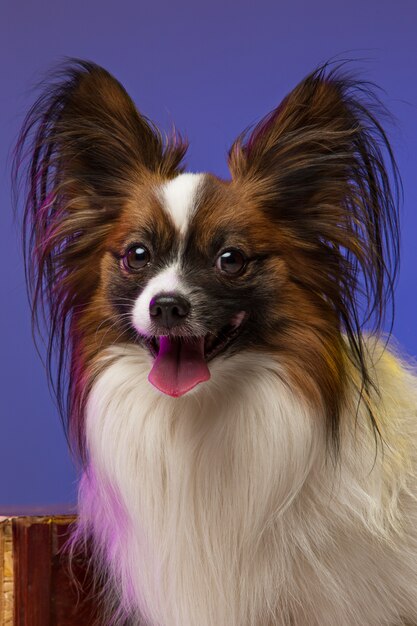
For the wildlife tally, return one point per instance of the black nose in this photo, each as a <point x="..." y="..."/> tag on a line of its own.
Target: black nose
<point x="169" y="310"/>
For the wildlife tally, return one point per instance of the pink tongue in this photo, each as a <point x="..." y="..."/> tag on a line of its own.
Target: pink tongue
<point x="179" y="366"/>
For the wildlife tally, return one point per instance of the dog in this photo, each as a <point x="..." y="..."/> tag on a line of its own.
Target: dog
<point x="247" y="438"/>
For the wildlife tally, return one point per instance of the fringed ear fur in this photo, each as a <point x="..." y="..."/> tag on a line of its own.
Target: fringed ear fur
<point x="82" y="148"/>
<point x="321" y="165"/>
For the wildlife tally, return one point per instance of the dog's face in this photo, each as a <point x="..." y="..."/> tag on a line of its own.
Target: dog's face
<point x="194" y="267"/>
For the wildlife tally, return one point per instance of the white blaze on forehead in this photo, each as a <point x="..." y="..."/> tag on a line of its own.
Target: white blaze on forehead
<point x="179" y="197"/>
<point x="166" y="281"/>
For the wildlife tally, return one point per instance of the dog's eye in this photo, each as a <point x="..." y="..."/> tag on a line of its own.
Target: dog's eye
<point x="231" y="262"/>
<point x="136" y="257"/>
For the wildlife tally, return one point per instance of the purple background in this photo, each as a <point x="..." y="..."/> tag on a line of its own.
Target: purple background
<point x="212" y="68"/>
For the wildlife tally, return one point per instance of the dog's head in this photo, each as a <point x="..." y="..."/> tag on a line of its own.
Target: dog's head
<point x="126" y="247"/>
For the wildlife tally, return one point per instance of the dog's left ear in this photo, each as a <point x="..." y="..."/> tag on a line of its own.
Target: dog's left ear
<point x="320" y="165"/>
<point x="319" y="155"/>
<point x="309" y="150"/>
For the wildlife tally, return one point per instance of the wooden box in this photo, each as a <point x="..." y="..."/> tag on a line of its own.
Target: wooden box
<point x="36" y="585"/>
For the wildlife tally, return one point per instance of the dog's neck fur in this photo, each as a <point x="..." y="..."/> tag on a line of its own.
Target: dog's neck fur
<point x="195" y="502"/>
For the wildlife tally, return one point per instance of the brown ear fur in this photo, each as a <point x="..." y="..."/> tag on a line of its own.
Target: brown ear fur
<point x="85" y="148"/>
<point x="320" y="166"/>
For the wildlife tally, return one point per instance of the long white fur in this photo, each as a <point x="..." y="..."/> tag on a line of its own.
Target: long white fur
<point x="221" y="508"/>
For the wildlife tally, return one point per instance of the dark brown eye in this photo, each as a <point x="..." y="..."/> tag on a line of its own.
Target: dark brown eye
<point x="231" y="262"/>
<point x="136" y="257"/>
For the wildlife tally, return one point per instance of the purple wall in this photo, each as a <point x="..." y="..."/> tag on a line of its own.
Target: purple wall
<point x="213" y="68"/>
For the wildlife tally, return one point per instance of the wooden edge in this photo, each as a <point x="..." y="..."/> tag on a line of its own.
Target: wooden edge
<point x="39" y="519"/>
<point x="58" y="510"/>
<point x="6" y="576"/>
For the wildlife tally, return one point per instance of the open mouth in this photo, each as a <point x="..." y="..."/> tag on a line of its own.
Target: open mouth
<point x="214" y="343"/>
<point x="180" y="362"/>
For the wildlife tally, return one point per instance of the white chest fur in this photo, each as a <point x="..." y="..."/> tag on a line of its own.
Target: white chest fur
<point x="218" y="508"/>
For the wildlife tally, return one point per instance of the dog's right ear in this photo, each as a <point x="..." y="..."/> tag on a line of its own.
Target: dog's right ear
<point x="82" y="149"/>
<point x="89" y="137"/>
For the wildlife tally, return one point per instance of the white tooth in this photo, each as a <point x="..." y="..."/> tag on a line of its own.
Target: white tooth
<point x="238" y="319"/>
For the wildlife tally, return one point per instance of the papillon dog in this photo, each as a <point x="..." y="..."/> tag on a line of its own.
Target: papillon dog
<point x="248" y="441"/>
